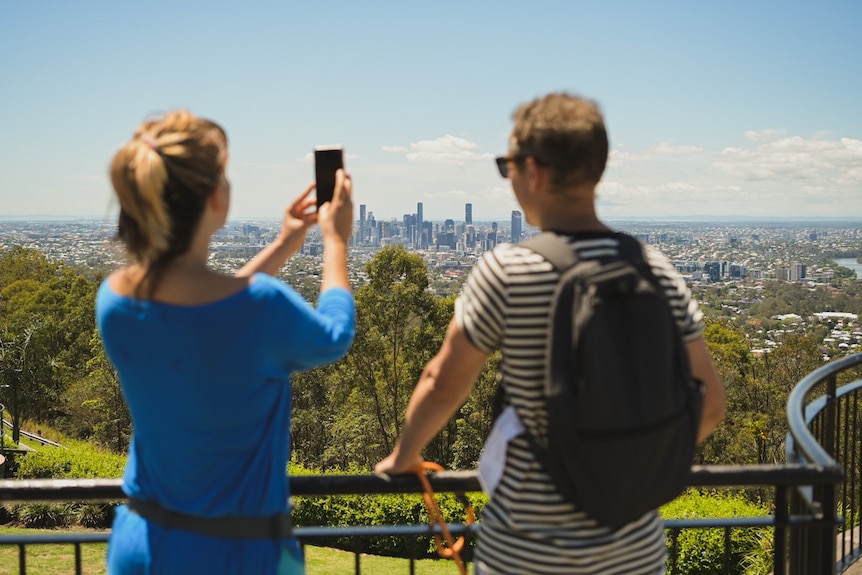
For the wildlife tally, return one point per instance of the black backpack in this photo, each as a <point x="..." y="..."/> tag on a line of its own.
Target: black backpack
<point x="623" y="407"/>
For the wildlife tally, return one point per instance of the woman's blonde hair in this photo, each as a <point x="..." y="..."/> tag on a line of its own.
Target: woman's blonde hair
<point x="162" y="178"/>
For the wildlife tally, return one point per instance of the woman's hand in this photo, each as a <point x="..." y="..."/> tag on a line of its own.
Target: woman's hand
<point x="294" y="226"/>
<point x="336" y="216"/>
<point x="336" y="225"/>
<point x="298" y="218"/>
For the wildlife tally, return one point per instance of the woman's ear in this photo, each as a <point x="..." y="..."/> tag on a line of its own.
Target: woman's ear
<point x="219" y="198"/>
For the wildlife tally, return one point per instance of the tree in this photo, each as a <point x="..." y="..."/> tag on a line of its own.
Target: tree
<point x="23" y="367"/>
<point x="728" y="346"/>
<point x="395" y="313"/>
<point x="112" y="425"/>
<point x="46" y="322"/>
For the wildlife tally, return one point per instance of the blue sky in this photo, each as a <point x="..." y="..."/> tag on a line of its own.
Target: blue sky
<point x="732" y="108"/>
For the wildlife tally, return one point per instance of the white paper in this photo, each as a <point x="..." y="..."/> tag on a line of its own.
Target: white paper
<point x="507" y="427"/>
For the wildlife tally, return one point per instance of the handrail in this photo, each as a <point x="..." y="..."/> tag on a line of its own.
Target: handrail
<point x="824" y="432"/>
<point x="800" y="439"/>
<point x="442" y="481"/>
<point x="27" y="434"/>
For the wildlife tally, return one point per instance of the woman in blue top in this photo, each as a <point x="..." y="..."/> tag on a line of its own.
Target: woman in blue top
<point x="204" y="359"/>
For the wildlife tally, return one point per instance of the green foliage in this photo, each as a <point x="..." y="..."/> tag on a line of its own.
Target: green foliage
<point x="757" y="388"/>
<point x="94" y="515"/>
<point x="43" y="515"/>
<point x="46" y="325"/>
<point x="80" y="461"/>
<point x="59" y="515"/>
<point x="352" y="412"/>
<point x="701" y="551"/>
<point x="377" y="510"/>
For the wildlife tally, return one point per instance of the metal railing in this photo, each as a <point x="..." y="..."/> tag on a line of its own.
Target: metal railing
<point x="784" y="480"/>
<point x="826" y="433"/>
<point x="811" y="495"/>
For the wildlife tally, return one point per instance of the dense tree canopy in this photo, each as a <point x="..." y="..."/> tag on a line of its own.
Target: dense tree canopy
<point x="348" y="414"/>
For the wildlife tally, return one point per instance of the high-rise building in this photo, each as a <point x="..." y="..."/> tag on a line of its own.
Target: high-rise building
<point x="468" y="214"/>
<point x="797" y="271"/>
<point x="712" y="271"/>
<point x="408" y="230"/>
<point x="516" y="226"/>
<point x="363" y="225"/>
<point x="420" y="226"/>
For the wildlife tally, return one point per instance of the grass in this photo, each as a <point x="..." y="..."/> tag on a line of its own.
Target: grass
<point x="60" y="560"/>
<point x="50" y="559"/>
<point x="324" y="561"/>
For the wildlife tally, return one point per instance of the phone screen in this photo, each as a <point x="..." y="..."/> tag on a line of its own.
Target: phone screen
<point x="327" y="160"/>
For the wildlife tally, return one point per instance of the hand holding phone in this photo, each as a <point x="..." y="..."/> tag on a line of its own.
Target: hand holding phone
<point x="327" y="160"/>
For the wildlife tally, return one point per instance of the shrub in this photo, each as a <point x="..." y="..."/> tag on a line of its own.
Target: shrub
<point x="79" y="460"/>
<point x="378" y="510"/>
<point x="43" y="515"/>
<point x="94" y="515"/>
<point x="701" y="551"/>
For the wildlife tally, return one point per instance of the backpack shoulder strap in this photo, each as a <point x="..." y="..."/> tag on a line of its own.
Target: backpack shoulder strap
<point x="631" y="250"/>
<point x="554" y="249"/>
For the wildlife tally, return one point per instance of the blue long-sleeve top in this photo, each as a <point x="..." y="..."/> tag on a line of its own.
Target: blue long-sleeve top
<point x="209" y="392"/>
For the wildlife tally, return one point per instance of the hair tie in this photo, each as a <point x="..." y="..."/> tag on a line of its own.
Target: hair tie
<point x="148" y="140"/>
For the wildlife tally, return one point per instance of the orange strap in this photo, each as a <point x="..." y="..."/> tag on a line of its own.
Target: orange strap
<point x="452" y="549"/>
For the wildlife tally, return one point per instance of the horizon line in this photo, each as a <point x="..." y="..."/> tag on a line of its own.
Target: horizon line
<point x="506" y="218"/>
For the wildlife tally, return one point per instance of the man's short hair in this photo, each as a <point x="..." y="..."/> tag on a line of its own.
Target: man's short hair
<point x="565" y="133"/>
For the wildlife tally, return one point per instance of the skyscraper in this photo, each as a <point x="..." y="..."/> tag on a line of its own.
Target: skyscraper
<point x="797" y="271"/>
<point x="468" y="214"/>
<point x="420" y="226"/>
<point x="516" y="226"/>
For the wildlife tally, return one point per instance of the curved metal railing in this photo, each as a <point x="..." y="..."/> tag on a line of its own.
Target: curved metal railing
<point x="827" y="433"/>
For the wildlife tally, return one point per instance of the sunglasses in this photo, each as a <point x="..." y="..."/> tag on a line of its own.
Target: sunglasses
<point x="504" y="161"/>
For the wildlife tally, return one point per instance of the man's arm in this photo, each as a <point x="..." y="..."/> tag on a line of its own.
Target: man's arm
<point x="713" y="399"/>
<point x="444" y="385"/>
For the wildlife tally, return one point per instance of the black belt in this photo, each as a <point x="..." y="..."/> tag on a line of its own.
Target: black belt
<point x="278" y="526"/>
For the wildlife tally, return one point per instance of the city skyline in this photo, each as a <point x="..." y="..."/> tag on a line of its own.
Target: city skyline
<point x="732" y="110"/>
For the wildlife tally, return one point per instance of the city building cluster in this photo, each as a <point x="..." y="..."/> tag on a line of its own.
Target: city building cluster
<point x="416" y="233"/>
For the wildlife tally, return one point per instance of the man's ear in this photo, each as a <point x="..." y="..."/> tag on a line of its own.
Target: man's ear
<point x="536" y="174"/>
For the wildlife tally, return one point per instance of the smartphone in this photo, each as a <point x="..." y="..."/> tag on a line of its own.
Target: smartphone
<point x="327" y="160"/>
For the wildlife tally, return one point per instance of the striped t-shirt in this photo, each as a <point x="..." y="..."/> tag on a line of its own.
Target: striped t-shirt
<point x="528" y="527"/>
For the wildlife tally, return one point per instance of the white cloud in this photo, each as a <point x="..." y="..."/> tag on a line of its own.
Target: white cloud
<point x="772" y="174"/>
<point x="764" y="135"/>
<point x="447" y="149"/>
<point x="795" y="158"/>
<point x="623" y="159"/>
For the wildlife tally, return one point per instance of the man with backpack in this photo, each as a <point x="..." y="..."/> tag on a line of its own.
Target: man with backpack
<point x="605" y="375"/>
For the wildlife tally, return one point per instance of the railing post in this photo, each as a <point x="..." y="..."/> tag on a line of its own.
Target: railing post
<point x="827" y="532"/>
<point x="830" y="420"/>
<point x="823" y="536"/>
<point x="779" y="546"/>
